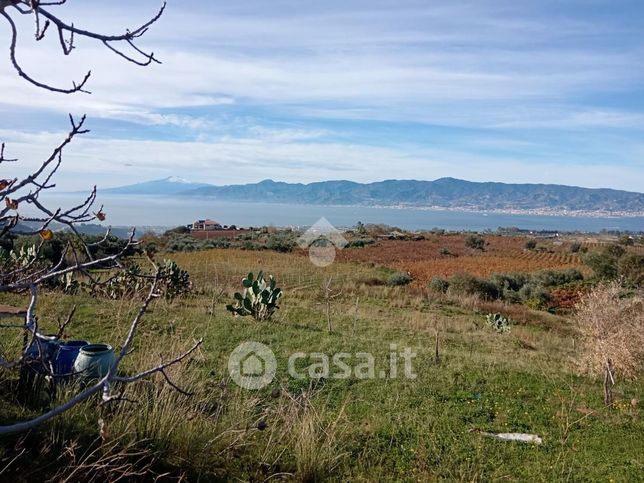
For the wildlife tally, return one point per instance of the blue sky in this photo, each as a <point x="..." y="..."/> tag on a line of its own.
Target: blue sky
<point x="301" y="91"/>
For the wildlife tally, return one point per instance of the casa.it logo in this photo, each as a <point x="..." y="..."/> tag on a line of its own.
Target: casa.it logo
<point x="322" y="240"/>
<point x="252" y="365"/>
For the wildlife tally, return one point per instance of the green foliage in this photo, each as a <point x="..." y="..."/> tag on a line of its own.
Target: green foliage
<point x="14" y="261"/>
<point x="575" y="247"/>
<point x="475" y="241"/>
<point x="360" y="242"/>
<point x="626" y="240"/>
<point x="498" y="322"/>
<point x="613" y="250"/>
<point x="133" y="283"/>
<point x="528" y="288"/>
<point x="186" y="243"/>
<point x="605" y="263"/>
<point x="282" y="242"/>
<point x="183" y="243"/>
<point x="534" y="296"/>
<point x="467" y="284"/>
<point x="174" y="281"/>
<point x="151" y="248"/>
<point x="219" y="242"/>
<point x="181" y="230"/>
<point x="259" y="298"/>
<point x="556" y="278"/>
<point x="399" y="278"/>
<point x="530" y="244"/>
<point x="603" y="267"/>
<point x="52" y="250"/>
<point x="631" y="268"/>
<point x="126" y="283"/>
<point x="438" y="284"/>
<point x="444" y="251"/>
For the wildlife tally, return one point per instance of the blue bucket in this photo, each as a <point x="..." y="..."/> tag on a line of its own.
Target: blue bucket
<point x="66" y="356"/>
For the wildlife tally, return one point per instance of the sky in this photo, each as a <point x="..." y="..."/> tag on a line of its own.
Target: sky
<point x="301" y="91"/>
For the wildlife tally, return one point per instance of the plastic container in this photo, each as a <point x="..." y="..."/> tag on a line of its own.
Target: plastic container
<point x="66" y="357"/>
<point x="41" y="354"/>
<point x="94" y="361"/>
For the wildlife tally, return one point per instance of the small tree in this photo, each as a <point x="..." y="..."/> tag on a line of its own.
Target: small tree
<point x="612" y="332"/>
<point x="28" y="271"/>
<point x="631" y="269"/>
<point x="475" y="242"/>
<point x="530" y="244"/>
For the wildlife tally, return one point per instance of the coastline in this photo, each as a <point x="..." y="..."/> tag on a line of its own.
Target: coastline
<point x="554" y="212"/>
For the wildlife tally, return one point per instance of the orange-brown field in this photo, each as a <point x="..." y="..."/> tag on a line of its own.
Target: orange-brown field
<point x="424" y="260"/>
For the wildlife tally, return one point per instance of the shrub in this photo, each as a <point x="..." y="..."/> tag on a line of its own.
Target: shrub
<point x="438" y="284"/>
<point x="575" y="247"/>
<point x="612" y="330"/>
<point x="251" y="245"/>
<point x="399" y="278"/>
<point x="466" y="284"/>
<point x="534" y="296"/>
<point x="509" y="281"/>
<point x="182" y="243"/>
<point x="444" y="251"/>
<point x="556" y="278"/>
<point x="219" y="242"/>
<point x="631" y="268"/>
<point x="360" y="242"/>
<point x="604" y="264"/>
<point x="180" y="230"/>
<point x="531" y="244"/>
<point x="626" y="240"/>
<point x="281" y="242"/>
<point x="474" y="241"/>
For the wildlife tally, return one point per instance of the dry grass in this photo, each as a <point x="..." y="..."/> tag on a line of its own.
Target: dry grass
<point x="612" y="329"/>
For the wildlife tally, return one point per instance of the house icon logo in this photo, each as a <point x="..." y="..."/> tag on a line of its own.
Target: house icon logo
<point x="252" y="365"/>
<point x="322" y="240"/>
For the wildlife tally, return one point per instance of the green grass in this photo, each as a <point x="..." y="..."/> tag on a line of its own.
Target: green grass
<point x="381" y="429"/>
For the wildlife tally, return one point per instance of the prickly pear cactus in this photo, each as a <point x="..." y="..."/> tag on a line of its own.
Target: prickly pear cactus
<point x="259" y="298"/>
<point x="498" y="322"/>
<point x="176" y="281"/>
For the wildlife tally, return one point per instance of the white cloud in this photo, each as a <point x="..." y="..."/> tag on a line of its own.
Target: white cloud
<point x="116" y="162"/>
<point x="498" y="65"/>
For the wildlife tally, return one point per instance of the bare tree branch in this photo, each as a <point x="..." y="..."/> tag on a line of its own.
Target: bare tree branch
<point x="35" y="8"/>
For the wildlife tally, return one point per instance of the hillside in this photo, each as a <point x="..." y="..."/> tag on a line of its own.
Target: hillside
<point x="443" y="192"/>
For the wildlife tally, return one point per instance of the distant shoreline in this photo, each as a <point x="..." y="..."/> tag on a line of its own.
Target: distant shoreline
<point x="555" y="212"/>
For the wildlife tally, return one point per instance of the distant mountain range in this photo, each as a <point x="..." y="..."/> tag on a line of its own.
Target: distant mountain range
<point x="167" y="186"/>
<point x="448" y="193"/>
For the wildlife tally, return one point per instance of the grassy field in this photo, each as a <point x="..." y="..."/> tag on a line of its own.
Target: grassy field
<point x="382" y="429"/>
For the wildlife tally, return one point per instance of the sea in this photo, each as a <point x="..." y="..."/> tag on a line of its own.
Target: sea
<point x="157" y="211"/>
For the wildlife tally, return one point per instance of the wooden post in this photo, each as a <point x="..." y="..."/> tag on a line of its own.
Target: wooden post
<point x="609" y="382"/>
<point x="355" y="316"/>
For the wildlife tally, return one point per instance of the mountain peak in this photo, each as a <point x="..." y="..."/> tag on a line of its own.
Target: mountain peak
<point x="176" y="179"/>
